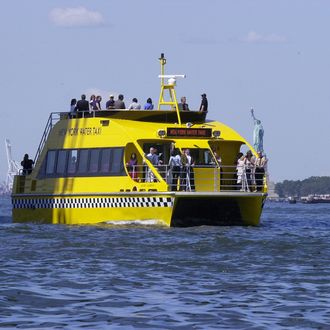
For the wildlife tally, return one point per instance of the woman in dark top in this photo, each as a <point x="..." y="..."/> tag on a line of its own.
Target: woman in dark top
<point x="149" y="105"/>
<point x="132" y="166"/>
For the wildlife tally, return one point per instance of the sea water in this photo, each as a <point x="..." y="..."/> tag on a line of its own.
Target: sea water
<point x="274" y="276"/>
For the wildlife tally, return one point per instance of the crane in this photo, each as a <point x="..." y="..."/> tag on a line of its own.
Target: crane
<point x="13" y="167"/>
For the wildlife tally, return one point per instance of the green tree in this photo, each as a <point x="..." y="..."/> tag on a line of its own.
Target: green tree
<point x="312" y="185"/>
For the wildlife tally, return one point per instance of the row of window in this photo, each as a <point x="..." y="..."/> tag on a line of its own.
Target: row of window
<point x="83" y="162"/>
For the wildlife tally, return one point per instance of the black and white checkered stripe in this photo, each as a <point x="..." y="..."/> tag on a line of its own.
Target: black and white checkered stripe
<point x="97" y="202"/>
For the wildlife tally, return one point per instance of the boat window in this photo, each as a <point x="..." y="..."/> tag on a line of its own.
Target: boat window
<point x="72" y="161"/>
<point x="202" y="157"/>
<point x="51" y="156"/>
<point x="83" y="161"/>
<point x="105" y="161"/>
<point x="117" y="160"/>
<point x="61" y="162"/>
<point x="94" y="161"/>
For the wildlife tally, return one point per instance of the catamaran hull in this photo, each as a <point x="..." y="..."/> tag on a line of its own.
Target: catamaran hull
<point x="171" y="209"/>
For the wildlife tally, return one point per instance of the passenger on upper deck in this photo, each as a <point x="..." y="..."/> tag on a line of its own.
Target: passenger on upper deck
<point x="73" y="108"/>
<point x="83" y="105"/>
<point x="27" y="164"/>
<point x="120" y="104"/>
<point x="183" y="106"/>
<point x="149" y="105"/>
<point x="111" y="103"/>
<point x="204" y="104"/>
<point x="98" y="102"/>
<point x="134" y="105"/>
<point x="73" y="105"/>
<point x="92" y="102"/>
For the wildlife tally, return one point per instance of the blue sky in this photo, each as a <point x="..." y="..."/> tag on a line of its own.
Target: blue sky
<point x="272" y="55"/>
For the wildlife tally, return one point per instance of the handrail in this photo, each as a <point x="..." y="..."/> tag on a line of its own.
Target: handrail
<point x="52" y="120"/>
<point x="211" y="178"/>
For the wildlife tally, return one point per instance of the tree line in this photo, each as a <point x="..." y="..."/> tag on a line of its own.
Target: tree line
<point x="298" y="188"/>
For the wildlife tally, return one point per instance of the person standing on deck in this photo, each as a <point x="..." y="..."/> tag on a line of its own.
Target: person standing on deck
<point x="204" y="104"/>
<point x="83" y="105"/>
<point x="73" y="108"/>
<point x="149" y="105"/>
<point x="190" y="169"/>
<point x="260" y="165"/>
<point x="98" y="102"/>
<point x="183" y="106"/>
<point x="27" y="164"/>
<point x="154" y="160"/>
<point x="135" y="105"/>
<point x="120" y="104"/>
<point x="175" y="167"/>
<point x="110" y="103"/>
<point x="92" y="103"/>
<point x="73" y="105"/>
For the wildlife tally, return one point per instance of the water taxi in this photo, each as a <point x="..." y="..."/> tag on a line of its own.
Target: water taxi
<point x="83" y="172"/>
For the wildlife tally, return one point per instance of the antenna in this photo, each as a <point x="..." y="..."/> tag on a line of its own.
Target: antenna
<point x="13" y="167"/>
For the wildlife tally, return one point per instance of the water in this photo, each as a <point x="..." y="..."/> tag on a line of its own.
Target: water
<point x="273" y="276"/>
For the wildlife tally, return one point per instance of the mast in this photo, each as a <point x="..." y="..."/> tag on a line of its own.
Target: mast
<point x="170" y="86"/>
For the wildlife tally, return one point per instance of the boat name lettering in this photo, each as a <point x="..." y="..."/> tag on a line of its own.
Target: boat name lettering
<point x="192" y="132"/>
<point x="80" y="131"/>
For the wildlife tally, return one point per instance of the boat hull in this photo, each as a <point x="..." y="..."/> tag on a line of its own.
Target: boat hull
<point x="176" y="209"/>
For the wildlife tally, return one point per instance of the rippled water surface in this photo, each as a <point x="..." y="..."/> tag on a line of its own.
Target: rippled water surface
<point x="275" y="276"/>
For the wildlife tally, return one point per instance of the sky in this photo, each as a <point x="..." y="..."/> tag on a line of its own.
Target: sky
<point x="272" y="55"/>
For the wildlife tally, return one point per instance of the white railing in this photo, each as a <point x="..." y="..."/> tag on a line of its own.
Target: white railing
<point x="202" y="178"/>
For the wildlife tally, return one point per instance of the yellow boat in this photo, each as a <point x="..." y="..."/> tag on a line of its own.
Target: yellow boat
<point x="83" y="173"/>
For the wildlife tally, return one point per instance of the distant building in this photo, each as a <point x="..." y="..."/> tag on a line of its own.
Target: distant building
<point x="271" y="190"/>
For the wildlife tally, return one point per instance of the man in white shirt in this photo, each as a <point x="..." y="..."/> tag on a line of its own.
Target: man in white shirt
<point x="135" y="105"/>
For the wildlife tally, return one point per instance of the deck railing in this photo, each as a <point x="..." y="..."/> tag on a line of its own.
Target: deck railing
<point x="208" y="178"/>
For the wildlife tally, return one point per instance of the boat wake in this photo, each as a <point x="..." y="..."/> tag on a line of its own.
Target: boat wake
<point x="150" y="222"/>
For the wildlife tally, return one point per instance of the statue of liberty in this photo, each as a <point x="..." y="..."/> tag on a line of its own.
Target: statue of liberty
<point x="258" y="134"/>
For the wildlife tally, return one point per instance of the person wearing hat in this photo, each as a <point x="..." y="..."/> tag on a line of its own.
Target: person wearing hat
<point x="204" y="104"/>
<point x="111" y="103"/>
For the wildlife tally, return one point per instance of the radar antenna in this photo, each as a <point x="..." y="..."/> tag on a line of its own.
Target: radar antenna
<point x="13" y="167"/>
<point x="171" y="83"/>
